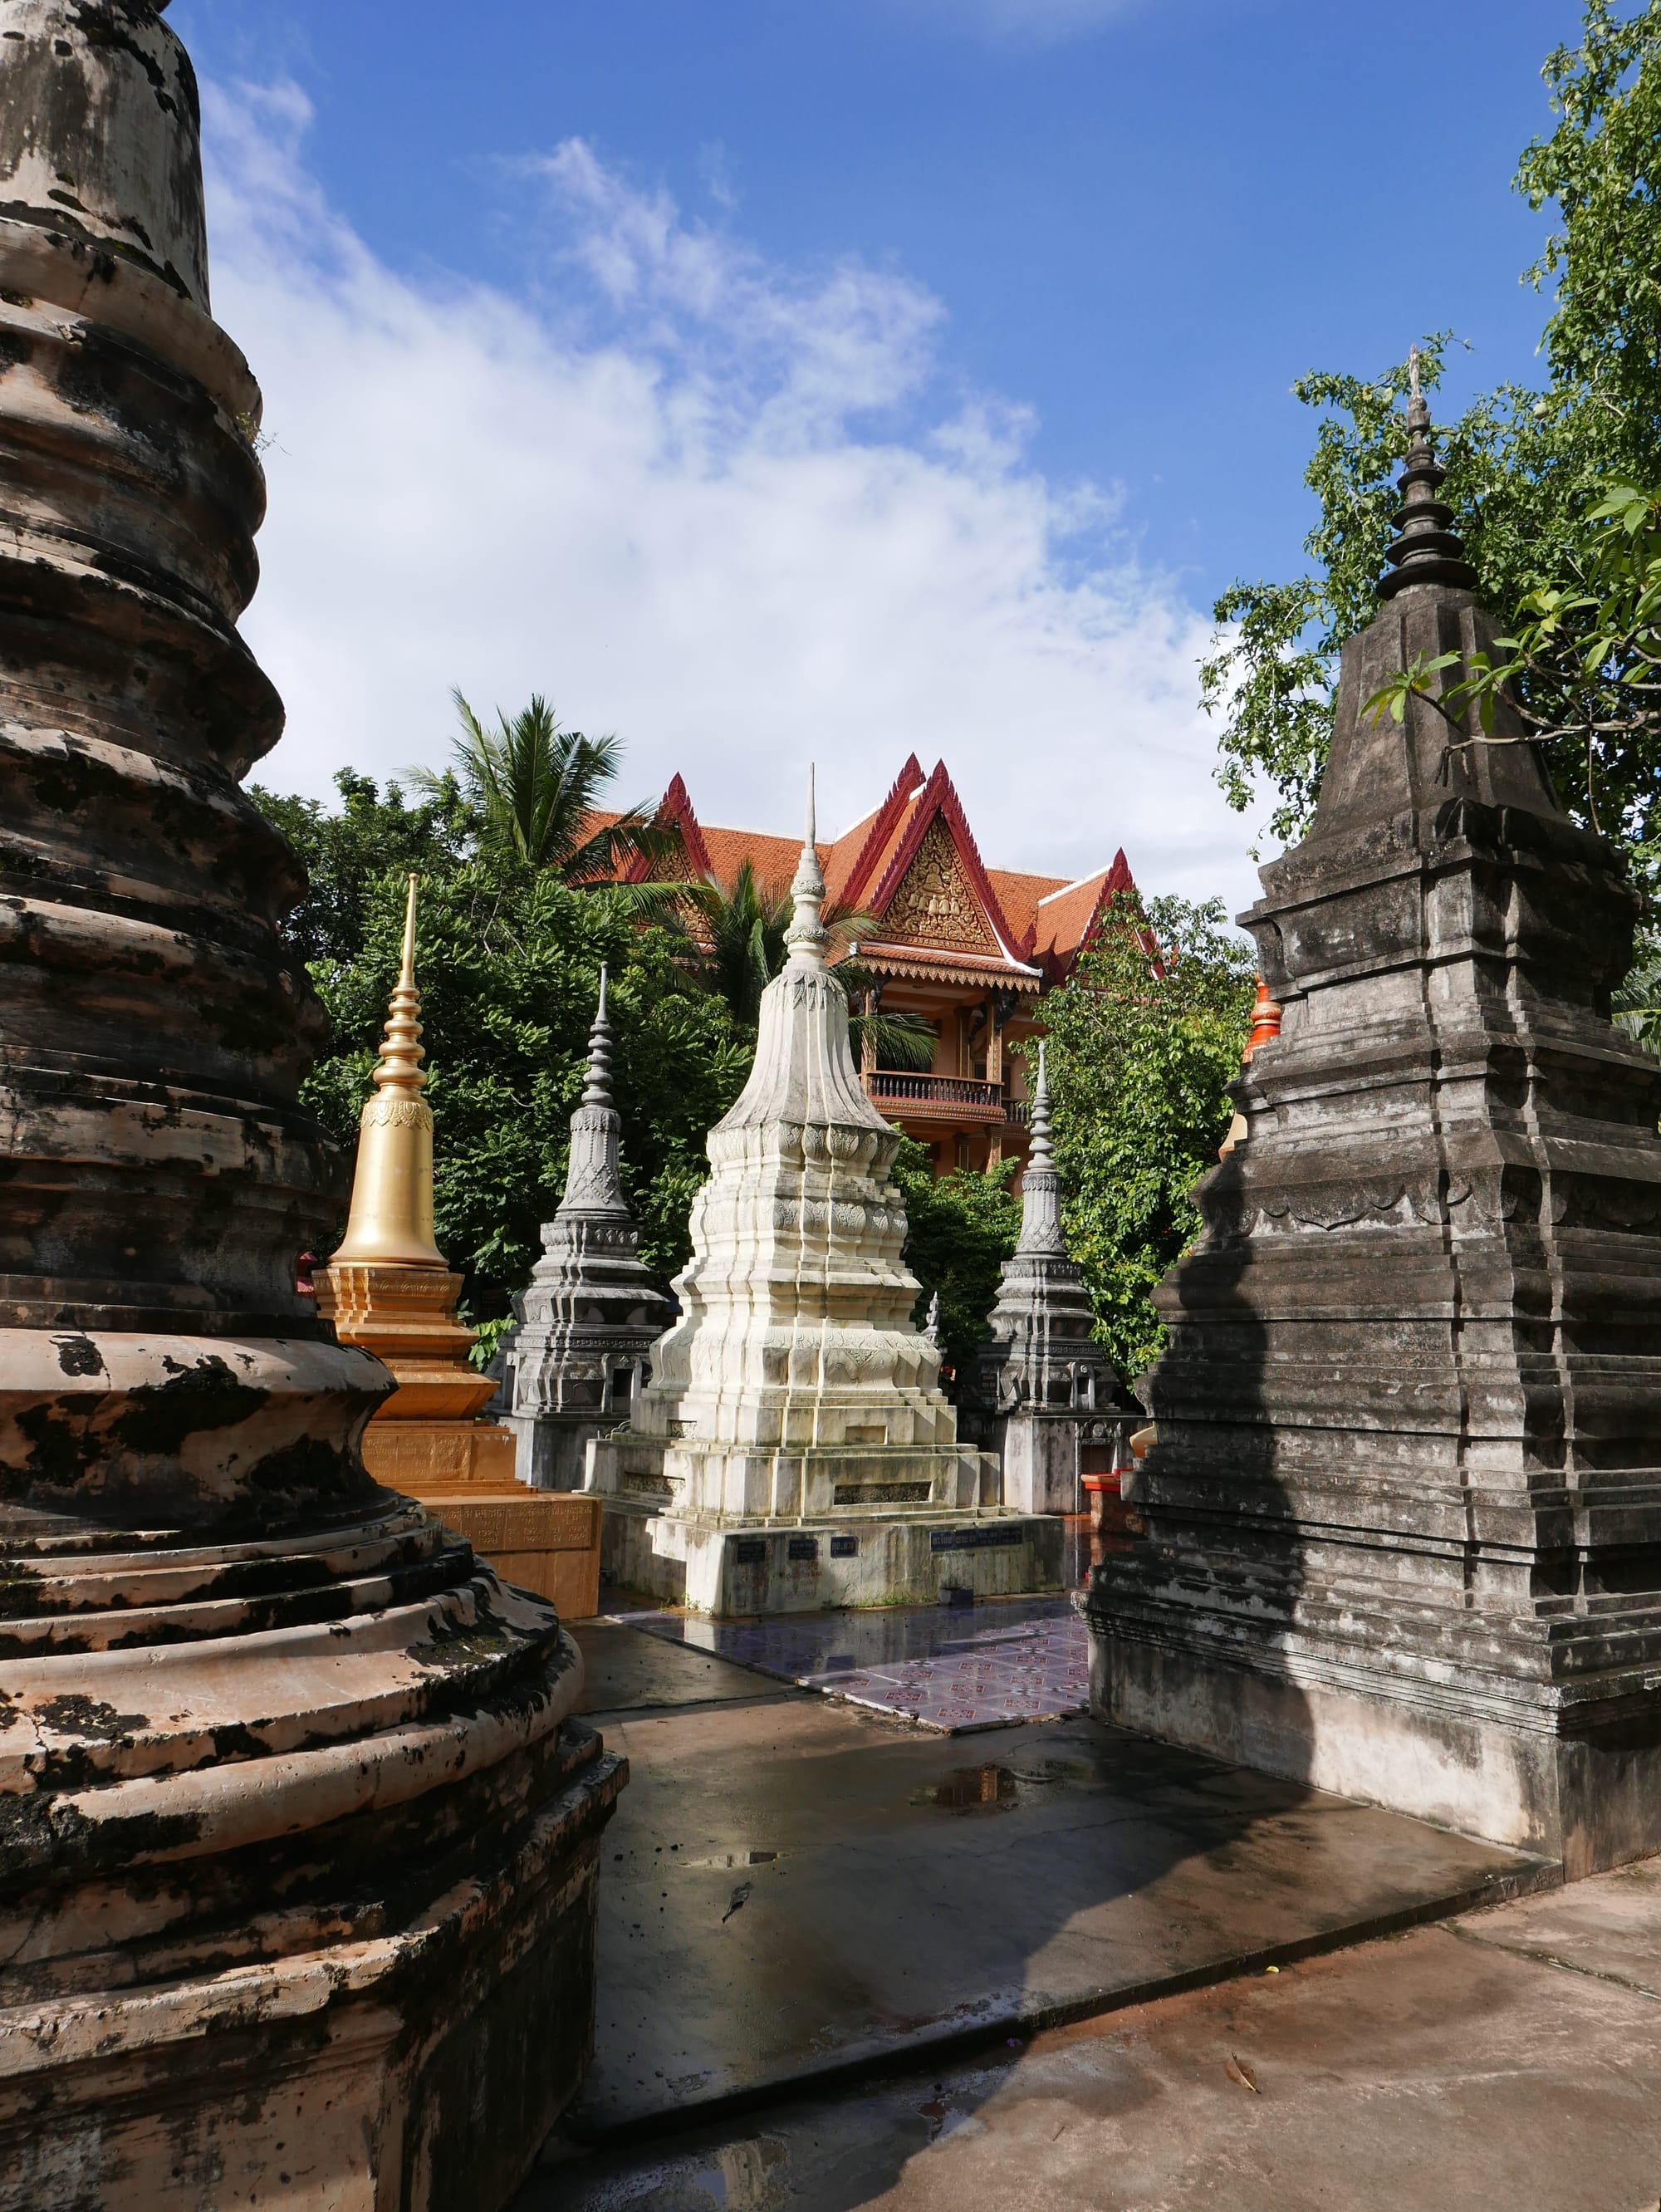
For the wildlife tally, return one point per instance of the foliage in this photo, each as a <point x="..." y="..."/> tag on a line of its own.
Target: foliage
<point x="1143" y="1041"/>
<point x="531" y="790"/>
<point x="346" y="853"/>
<point x="732" y="937"/>
<point x="1526" y="469"/>
<point x="961" y="1228"/>
<point x="508" y="969"/>
<point x="1584" y="664"/>
<point x="1636" y="1005"/>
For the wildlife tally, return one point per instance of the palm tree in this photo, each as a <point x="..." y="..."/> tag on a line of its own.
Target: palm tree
<point x="1635" y="1005"/>
<point x="533" y="790"/>
<point x="734" y="935"/>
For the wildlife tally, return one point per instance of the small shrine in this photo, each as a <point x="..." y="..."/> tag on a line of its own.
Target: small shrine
<point x="389" y="1290"/>
<point x="794" y="1448"/>
<point x="1040" y="1372"/>
<point x="577" y="1358"/>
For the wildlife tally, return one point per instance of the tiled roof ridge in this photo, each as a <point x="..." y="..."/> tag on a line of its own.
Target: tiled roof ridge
<point x="939" y="797"/>
<point x="882" y="828"/>
<point x="676" y="812"/>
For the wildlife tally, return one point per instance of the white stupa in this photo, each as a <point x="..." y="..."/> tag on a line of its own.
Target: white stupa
<point x="794" y="1448"/>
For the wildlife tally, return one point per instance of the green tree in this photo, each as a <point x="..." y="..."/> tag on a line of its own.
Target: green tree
<point x="533" y="790"/>
<point x="508" y="969"/>
<point x="346" y="853"/>
<point x="1527" y="467"/>
<point x="961" y="1228"/>
<point x="1143" y="1041"/>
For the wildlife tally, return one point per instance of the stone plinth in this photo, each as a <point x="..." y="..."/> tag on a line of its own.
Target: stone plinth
<point x="1040" y="1371"/>
<point x="296" y="1883"/>
<point x="794" y="1448"/>
<point x="586" y="1324"/>
<point x="1404" y="1512"/>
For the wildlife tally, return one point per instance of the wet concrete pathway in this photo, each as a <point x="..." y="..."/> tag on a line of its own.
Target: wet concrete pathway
<point x="795" y="1889"/>
<point x="952" y="1667"/>
<point x="1511" y="2058"/>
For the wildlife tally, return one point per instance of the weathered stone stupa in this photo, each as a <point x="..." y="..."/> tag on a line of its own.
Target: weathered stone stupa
<point x="794" y="1448"/>
<point x="297" y="1862"/>
<point x="591" y="1313"/>
<point x="1041" y="1370"/>
<point x="1403" y="1513"/>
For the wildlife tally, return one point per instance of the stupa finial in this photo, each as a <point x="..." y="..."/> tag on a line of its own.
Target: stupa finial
<point x="391" y="1218"/>
<point x="1041" y="1154"/>
<point x="808" y="938"/>
<point x="1427" y="549"/>
<point x="597" y="1090"/>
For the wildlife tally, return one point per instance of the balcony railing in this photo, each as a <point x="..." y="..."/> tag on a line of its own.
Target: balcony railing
<point x="959" y="1098"/>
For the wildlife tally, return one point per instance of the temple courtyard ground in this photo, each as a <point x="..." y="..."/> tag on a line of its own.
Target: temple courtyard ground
<point x="847" y="1959"/>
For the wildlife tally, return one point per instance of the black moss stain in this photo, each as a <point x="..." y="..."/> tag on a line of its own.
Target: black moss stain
<point x="78" y="1355"/>
<point x="161" y="1419"/>
<point x="90" y="1718"/>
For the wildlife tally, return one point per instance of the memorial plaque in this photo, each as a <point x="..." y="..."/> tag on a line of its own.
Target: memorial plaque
<point x="802" y="1547"/>
<point x="750" y="1552"/>
<point x="845" y="1548"/>
<point x="996" y="1536"/>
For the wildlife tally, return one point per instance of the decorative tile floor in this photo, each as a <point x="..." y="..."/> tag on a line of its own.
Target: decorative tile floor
<point x="949" y="1666"/>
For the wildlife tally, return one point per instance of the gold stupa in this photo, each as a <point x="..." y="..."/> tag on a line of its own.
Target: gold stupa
<point x="389" y="1290"/>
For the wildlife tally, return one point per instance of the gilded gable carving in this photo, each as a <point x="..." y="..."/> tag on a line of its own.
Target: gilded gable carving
<point x="936" y="903"/>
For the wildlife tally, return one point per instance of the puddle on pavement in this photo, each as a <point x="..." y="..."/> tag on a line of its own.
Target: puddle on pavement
<point x="734" y="1859"/>
<point x="971" y="1789"/>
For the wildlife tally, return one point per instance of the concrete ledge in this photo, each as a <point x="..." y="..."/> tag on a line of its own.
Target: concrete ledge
<point x="1588" y="1802"/>
<point x="801" y="1568"/>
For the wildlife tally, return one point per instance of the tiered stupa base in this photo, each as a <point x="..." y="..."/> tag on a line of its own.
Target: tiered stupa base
<point x="854" y="1525"/>
<point x="299" y="1871"/>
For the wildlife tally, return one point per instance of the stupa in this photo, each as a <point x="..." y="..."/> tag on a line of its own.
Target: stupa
<point x="297" y="1874"/>
<point x="591" y="1313"/>
<point x="1040" y="1371"/>
<point x="1403" y="1516"/>
<point x="390" y="1290"/>
<point x="794" y="1448"/>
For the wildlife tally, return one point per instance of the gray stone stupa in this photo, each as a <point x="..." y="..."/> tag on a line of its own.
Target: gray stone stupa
<point x="1403" y="1514"/>
<point x="1040" y="1371"/>
<point x="591" y="1312"/>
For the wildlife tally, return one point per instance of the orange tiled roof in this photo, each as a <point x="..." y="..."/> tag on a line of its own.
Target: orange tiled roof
<point x="1042" y="919"/>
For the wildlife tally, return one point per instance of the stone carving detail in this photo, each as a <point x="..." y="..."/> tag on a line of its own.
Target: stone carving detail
<point x="588" y="1319"/>
<point x="1403" y="1520"/>
<point x="936" y="903"/>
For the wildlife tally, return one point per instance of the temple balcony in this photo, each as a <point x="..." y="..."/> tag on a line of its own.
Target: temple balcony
<point x="954" y="1101"/>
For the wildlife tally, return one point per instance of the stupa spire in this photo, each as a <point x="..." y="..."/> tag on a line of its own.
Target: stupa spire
<point x="597" y="1090"/>
<point x="809" y="938"/>
<point x="390" y="1224"/>
<point x="593" y="1183"/>
<point x="1041" y="1186"/>
<point x="1427" y="548"/>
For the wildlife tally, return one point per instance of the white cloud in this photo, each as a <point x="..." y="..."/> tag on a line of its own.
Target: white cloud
<point x="727" y="509"/>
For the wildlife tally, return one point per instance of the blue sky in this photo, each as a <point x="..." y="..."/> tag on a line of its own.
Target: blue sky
<point x="1010" y="266"/>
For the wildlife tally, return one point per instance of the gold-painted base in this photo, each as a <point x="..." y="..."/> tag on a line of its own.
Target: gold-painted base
<point x="425" y="1443"/>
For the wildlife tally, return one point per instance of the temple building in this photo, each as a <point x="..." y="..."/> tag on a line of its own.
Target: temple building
<point x="969" y="950"/>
